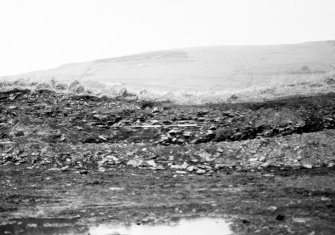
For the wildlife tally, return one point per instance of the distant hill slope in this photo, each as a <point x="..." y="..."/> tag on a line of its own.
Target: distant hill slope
<point x="204" y="69"/>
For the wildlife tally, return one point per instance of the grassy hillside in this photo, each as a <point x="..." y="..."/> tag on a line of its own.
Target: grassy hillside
<point x="221" y="69"/>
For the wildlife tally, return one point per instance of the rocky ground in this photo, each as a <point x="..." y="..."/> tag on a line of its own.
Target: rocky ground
<point x="267" y="167"/>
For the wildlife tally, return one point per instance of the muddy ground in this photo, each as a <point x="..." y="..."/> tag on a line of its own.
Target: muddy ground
<point x="71" y="161"/>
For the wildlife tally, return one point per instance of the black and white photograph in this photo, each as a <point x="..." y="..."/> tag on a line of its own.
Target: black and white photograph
<point x="167" y="117"/>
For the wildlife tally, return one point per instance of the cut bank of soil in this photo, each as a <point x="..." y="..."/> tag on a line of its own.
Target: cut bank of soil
<point x="267" y="166"/>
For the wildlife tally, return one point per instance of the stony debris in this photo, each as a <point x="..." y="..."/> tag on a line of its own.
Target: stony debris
<point x="74" y="131"/>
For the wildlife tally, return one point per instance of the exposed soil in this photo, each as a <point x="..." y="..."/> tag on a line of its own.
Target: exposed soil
<point x="70" y="161"/>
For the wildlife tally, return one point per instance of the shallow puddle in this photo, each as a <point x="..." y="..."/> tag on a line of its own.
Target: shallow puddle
<point x="194" y="226"/>
<point x="199" y="226"/>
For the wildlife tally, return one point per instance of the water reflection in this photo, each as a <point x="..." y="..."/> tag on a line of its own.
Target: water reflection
<point x="183" y="227"/>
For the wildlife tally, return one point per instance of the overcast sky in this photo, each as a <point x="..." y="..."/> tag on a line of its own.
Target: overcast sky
<point x="39" y="34"/>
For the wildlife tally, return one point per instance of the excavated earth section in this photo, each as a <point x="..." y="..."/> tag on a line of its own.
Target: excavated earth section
<point x="73" y="160"/>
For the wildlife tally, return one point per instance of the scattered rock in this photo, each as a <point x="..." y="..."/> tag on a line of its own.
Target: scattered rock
<point x="308" y="166"/>
<point x="116" y="189"/>
<point x="262" y="159"/>
<point x="266" y="164"/>
<point x="300" y="220"/>
<point x="331" y="164"/>
<point x="187" y="133"/>
<point x="272" y="208"/>
<point x="155" y="110"/>
<point x="205" y="157"/>
<point x="62" y="138"/>
<point x="102" y="138"/>
<point x="134" y="162"/>
<point x="200" y="171"/>
<point x="151" y="163"/>
<point x="112" y="159"/>
<point x="190" y="168"/>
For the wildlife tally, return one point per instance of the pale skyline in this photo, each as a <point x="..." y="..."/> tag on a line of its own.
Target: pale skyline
<point x="41" y="34"/>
